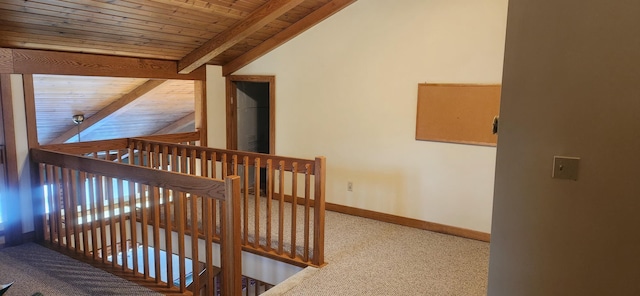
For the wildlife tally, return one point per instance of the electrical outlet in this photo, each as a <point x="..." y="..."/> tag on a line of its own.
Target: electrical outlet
<point x="349" y="186"/>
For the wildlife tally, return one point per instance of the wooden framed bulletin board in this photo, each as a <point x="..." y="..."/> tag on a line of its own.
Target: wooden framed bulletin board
<point x="457" y="113"/>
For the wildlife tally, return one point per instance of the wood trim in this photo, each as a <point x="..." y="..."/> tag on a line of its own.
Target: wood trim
<point x="430" y="226"/>
<point x="232" y="114"/>
<point x="30" y="110"/>
<point x="287" y="34"/>
<point x="6" y="60"/>
<point x="28" y="61"/>
<point x="225" y="40"/>
<point x="13" y="226"/>
<point x="118" y="104"/>
<point x="200" y="104"/>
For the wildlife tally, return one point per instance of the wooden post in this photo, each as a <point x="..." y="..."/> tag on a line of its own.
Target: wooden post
<point x="231" y="242"/>
<point x="318" y="211"/>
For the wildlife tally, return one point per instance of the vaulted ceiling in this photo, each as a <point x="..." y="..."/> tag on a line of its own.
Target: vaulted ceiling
<point x="191" y="33"/>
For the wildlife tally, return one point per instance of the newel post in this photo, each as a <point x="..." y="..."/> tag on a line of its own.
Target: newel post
<point x="319" y="208"/>
<point x="231" y="263"/>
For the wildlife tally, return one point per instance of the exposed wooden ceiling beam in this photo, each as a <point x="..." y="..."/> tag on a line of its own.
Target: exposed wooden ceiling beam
<point x="107" y="111"/>
<point x="254" y="22"/>
<point x="6" y="60"/>
<point x="28" y="61"/>
<point x="285" y="35"/>
<point x="178" y="124"/>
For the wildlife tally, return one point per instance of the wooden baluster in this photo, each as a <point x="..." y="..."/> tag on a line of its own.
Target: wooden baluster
<point x="185" y="170"/>
<point x="256" y="197"/>
<point x="123" y="222"/>
<point x="281" y="210"/>
<point x="183" y="161"/>
<point x="245" y="201"/>
<point x="143" y="189"/>
<point x="133" y="213"/>
<point x="224" y="166"/>
<point x="155" y="207"/>
<point x="194" y="242"/>
<point x="73" y="209"/>
<point x="85" y="215"/>
<point x="234" y="165"/>
<point x="112" y="221"/>
<point x="204" y="164"/>
<point x="92" y="213"/>
<point x="179" y="203"/>
<point x="307" y="207"/>
<point x="318" y="211"/>
<point x="68" y="220"/>
<point x="193" y="168"/>
<point x="269" y="194"/>
<point x="214" y="169"/>
<point x="133" y="227"/>
<point x="175" y="165"/>
<point x="168" y="216"/>
<point x="144" y="217"/>
<point x="204" y="172"/>
<point x="294" y="207"/>
<point x="101" y="217"/>
<point x="54" y="205"/>
<point x="46" y="224"/>
<point x="208" y="227"/>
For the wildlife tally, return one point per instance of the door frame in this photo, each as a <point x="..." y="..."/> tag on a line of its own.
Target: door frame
<point x="232" y="113"/>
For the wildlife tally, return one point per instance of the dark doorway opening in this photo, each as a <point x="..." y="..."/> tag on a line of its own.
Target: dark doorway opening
<point x="250" y="117"/>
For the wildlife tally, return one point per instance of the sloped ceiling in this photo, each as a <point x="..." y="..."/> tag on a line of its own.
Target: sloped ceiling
<point x="190" y="33"/>
<point x="123" y="112"/>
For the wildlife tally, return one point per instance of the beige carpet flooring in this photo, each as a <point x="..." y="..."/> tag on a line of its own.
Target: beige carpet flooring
<point x="34" y="268"/>
<point x="368" y="257"/>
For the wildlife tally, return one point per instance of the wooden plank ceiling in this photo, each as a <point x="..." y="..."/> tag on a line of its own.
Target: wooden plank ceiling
<point x="192" y="33"/>
<point x="113" y="107"/>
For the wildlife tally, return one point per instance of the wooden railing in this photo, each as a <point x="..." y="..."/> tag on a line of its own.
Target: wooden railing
<point x="103" y="210"/>
<point x="282" y="197"/>
<point x="272" y="225"/>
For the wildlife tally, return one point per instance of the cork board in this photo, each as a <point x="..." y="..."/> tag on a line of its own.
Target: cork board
<point x="457" y="113"/>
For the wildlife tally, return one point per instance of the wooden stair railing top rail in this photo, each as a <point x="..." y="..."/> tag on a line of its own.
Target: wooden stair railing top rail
<point x="288" y="161"/>
<point x="226" y="191"/>
<point x="171" y="180"/>
<point x="116" y="144"/>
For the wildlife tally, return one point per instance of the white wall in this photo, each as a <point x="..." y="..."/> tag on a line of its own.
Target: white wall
<point x="347" y="89"/>
<point x="216" y="108"/>
<point x="570" y="88"/>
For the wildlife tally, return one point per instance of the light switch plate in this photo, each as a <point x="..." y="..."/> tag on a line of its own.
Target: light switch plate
<point x="565" y="167"/>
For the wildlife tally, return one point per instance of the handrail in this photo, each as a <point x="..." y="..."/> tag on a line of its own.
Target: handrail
<point x="79" y="221"/>
<point x="288" y="161"/>
<point x="176" y="181"/>
<point x="115" y="144"/>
